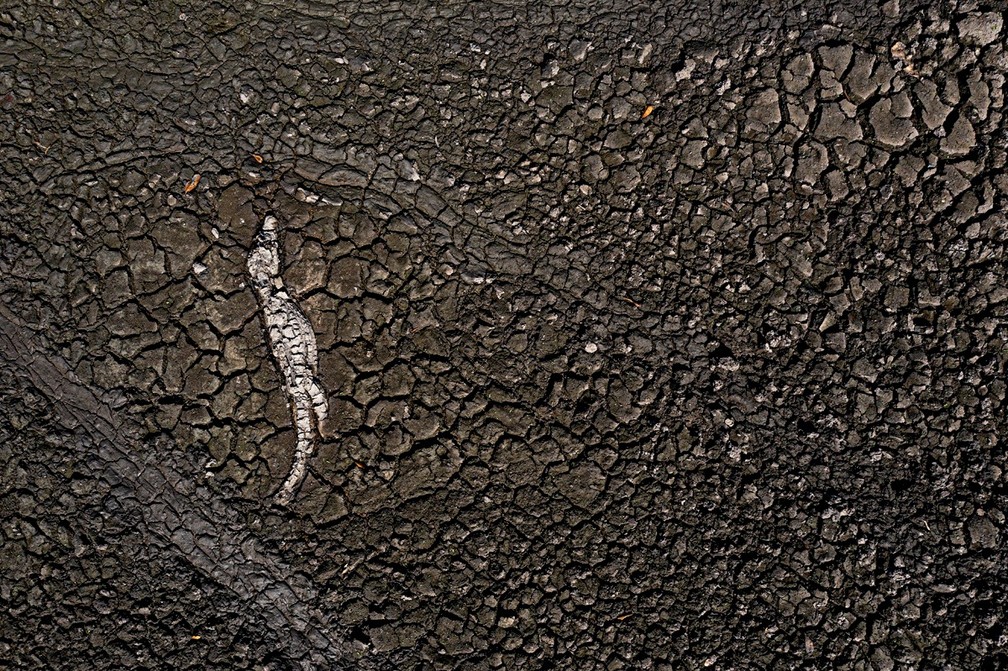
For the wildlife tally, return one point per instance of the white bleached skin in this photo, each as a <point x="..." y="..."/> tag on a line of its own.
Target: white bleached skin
<point x="292" y="341"/>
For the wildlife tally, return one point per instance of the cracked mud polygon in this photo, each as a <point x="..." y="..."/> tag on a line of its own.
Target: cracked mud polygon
<point x="654" y="335"/>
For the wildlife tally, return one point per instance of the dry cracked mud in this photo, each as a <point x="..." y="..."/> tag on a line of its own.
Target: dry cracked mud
<point x="653" y="335"/>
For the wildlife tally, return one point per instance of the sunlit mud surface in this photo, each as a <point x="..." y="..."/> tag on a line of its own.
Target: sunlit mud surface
<point x="652" y="335"/>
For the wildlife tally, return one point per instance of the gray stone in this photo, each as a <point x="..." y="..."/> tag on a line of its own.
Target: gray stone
<point x="578" y="50"/>
<point x="618" y="139"/>
<point x="979" y="96"/>
<point x="812" y="161"/>
<point x="859" y="82"/>
<point x="961" y="140"/>
<point x="983" y="533"/>
<point x="836" y="58"/>
<point x="834" y="122"/>
<point x="891" y="130"/>
<point x="897" y="297"/>
<point x="837" y="185"/>
<point x="582" y="484"/>
<point x="346" y="278"/>
<point x="626" y="179"/>
<point x="556" y="98"/>
<point x="692" y="154"/>
<point x="934" y="110"/>
<point x="881" y="660"/>
<point x="798" y="73"/>
<point x="765" y="112"/>
<point x="981" y="28"/>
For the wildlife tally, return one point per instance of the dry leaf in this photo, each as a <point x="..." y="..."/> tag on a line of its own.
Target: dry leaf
<point x="193" y="183"/>
<point x="647" y="111"/>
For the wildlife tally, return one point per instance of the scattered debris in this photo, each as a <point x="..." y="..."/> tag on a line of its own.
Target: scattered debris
<point x="193" y="183"/>
<point x="900" y="53"/>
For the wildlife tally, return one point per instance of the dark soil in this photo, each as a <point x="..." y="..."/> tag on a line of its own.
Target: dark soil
<point x="656" y="335"/>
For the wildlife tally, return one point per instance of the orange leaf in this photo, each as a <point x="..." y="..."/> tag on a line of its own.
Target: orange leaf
<point x="257" y="158"/>
<point x="193" y="183"/>
<point x="647" y="111"/>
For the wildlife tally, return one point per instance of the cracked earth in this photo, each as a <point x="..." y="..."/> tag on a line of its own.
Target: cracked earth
<point x="649" y="335"/>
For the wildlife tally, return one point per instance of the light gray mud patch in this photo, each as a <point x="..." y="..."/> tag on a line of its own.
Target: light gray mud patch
<point x="293" y="344"/>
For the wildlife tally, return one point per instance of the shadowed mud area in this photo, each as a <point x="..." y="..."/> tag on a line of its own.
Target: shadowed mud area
<point x="659" y="335"/>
